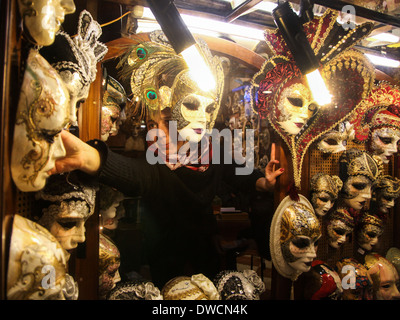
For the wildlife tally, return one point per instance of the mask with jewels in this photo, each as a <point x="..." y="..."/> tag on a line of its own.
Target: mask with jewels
<point x="43" y="18"/>
<point x="295" y="231"/>
<point x="43" y="111"/>
<point x="37" y="265"/>
<point x="356" y="282"/>
<point x="75" y="59"/>
<point x="324" y="190"/>
<point x="65" y="204"/>
<point x="385" y="279"/>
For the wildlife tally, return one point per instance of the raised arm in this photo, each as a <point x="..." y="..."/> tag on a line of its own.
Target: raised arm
<point x="268" y="183"/>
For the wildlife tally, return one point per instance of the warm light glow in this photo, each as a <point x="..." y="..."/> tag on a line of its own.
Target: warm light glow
<point x="318" y="88"/>
<point x="386" y="37"/>
<point x="198" y="68"/>
<point x="382" y="61"/>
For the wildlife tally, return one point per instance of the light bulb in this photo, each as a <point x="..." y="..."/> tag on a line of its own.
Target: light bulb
<point x="318" y="88"/>
<point x="198" y="69"/>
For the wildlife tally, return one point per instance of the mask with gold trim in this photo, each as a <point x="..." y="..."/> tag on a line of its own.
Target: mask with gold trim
<point x="324" y="191"/>
<point x="109" y="263"/>
<point x="369" y="229"/>
<point x="340" y="225"/>
<point x="336" y="140"/>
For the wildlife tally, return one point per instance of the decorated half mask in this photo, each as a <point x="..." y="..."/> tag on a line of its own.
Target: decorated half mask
<point x="295" y="231"/>
<point x="135" y="290"/>
<point x="43" y="111"/>
<point x="356" y="282"/>
<point x="109" y="200"/>
<point x="385" y="191"/>
<point x="358" y="170"/>
<point x="282" y="94"/>
<point x="66" y="203"/>
<point x="378" y="121"/>
<point x="109" y="262"/>
<point x="76" y="59"/>
<point x="322" y="283"/>
<point x="43" y="18"/>
<point x="336" y="140"/>
<point x="369" y="229"/>
<point x="340" y="226"/>
<point x="385" y="279"/>
<point x="324" y="190"/>
<point x="393" y="255"/>
<point x="239" y="285"/>
<point x="112" y="110"/>
<point x="37" y="265"/>
<point x="196" y="287"/>
<point x="160" y="78"/>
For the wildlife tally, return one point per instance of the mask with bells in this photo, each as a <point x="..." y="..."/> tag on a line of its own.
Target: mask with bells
<point x="75" y="59"/>
<point x="43" y="18"/>
<point x="65" y="204"/>
<point x="385" y="279"/>
<point x="324" y="190"/>
<point x="43" y="111"/>
<point x="37" y="265"/>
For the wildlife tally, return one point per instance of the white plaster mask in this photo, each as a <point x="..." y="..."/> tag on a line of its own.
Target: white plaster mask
<point x="43" y="18"/>
<point x="322" y="202"/>
<point x="384" y="142"/>
<point x="43" y="111"/>
<point x="296" y="108"/>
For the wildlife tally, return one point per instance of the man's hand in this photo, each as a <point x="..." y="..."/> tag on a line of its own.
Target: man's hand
<point x="79" y="156"/>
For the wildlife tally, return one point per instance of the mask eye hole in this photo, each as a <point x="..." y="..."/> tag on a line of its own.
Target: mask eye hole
<point x="331" y="142"/>
<point x="386" y="140"/>
<point x="297" y="102"/>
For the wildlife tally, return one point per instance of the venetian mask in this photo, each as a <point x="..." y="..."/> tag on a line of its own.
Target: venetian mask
<point x="76" y="59"/>
<point x="110" y="201"/>
<point x="323" y="283"/>
<point x="356" y="282"/>
<point x="43" y="18"/>
<point x="37" y="266"/>
<point x="385" y="191"/>
<point x="66" y="203"/>
<point x="358" y="170"/>
<point x="196" y="287"/>
<point x="239" y="285"/>
<point x="384" y="135"/>
<point x="43" y="111"/>
<point x="135" y="290"/>
<point x="340" y="226"/>
<point x="393" y="255"/>
<point x="112" y="110"/>
<point x="324" y="192"/>
<point x="295" y="107"/>
<point x="109" y="263"/>
<point x="336" y="140"/>
<point x="385" y="279"/>
<point x="370" y="228"/>
<point x="295" y="231"/>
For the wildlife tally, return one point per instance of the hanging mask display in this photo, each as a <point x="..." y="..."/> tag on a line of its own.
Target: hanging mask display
<point x="65" y="204"/>
<point x="37" y="265"/>
<point x="377" y="122"/>
<point x="43" y="111"/>
<point x="112" y="110"/>
<point x="335" y="141"/>
<point x="109" y="263"/>
<point x="160" y="78"/>
<point x="340" y="225"/>
<point x="75" y="59"/>
<point x="385" y="191"/>
<point x="239" y="285"/>
<point x="282" y="95"/>
<point x="135" y="290"/>
<point x="358" y="170"/>
<point x="358" y="282"/>
<point x="369" y="229"/>
<point x="324" y="191"/>
<point x="196" y="287"/>
<point x="295" y="231"/>
<point x="323" y="283"/>
<point x="384" y="276"/>
<point x="43" y="18"/>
